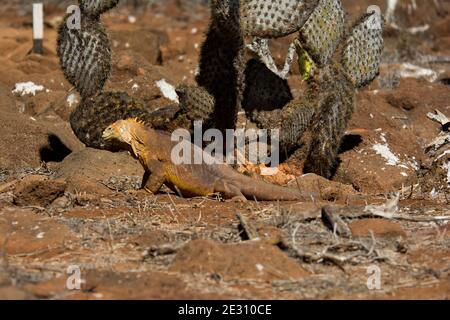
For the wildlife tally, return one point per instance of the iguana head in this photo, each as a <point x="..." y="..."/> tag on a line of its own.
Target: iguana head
<point x="123" y="131"/>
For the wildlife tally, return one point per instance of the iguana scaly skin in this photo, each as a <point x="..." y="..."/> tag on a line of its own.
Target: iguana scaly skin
<point x="154" y="150"/>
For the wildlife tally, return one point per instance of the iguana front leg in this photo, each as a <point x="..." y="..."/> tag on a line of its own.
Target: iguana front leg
<point x="154" y="177"/>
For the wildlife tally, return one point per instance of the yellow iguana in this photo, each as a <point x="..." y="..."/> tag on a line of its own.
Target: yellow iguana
<point x="154" y="150"/>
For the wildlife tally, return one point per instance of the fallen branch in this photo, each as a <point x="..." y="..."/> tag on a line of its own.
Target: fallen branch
<point x="248" y="228"/>
<point x="439" y="117"/>
<point x="8" y="186"/>
<point x="357" y="212"/>
<point x="165" y="249"/>
<point x="335" y="223"/>
<point x="324" y="255"/>
<point x="435" y="59"/>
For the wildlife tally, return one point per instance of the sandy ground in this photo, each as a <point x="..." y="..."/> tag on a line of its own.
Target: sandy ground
<point x="64" y="207"/>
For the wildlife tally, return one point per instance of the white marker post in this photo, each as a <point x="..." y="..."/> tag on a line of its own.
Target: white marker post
<point x="38" y="28"/>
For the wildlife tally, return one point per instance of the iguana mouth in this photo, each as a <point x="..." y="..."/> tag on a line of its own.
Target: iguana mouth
<point x="108" y="134"/>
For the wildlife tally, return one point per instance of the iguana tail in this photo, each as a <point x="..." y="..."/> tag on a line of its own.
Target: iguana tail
<point x="265" y="191"/>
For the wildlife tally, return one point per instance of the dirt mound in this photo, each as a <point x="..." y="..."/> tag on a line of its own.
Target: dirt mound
<point x="255" y="261"/>
<point x="379" y="227"/>
<point x="28" y="141"/>
<point x="100" y="172"/>
<point x="323" y="188"/>
<point x="99" y="165"/>
<point x="24" y="232"/>
<point x="38" y="191"/>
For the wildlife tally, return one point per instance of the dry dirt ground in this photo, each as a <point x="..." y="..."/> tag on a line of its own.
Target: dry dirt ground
<point x="63" y="206"/>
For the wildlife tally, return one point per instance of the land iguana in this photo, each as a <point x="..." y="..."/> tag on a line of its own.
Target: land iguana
<point x="154" y="150"/>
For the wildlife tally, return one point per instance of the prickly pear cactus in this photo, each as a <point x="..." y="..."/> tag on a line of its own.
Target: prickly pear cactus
<point x="312" y="127"/>
<point x="292" y="121"/>
<point x="334" y="106"/>
<point x="337" y="84"/>
<point x="225" y="17"/>
<point x="196" y="103"/>
<point x="263" y="88"/>
<point x="221" y="68"/>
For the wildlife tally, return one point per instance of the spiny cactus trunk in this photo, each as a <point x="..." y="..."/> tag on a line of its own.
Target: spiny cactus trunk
<point x="222" y="63"/>
<point x="335" y="107"/>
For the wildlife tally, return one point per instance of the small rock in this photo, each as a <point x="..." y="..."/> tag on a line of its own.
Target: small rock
<point x="81" y="184"/>
<point x="38" y="190"/>
<point x="5" y="279"/>
<point x="61" y="203"/>
<point x="12" y="293"/>
<point x="380" y="227"/>
<point x="402" y="102"/>
<point x="47" y="289"/>
<point x="326" y="189"/>
<point x="125" y="62"/>
<point x="141" y="71"/>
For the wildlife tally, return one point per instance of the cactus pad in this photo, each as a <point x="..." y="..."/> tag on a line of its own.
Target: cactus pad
<point x="271" y="18"/>
<point x="323" y="31"/>
<point x="361" y="57"/>
<point x="95" y="114"/>
<point x="85" y="56"/>
<point x="292" y="121"/>
<point x="196" y="103"/>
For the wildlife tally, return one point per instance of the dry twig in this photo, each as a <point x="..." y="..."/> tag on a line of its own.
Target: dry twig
<point x="248" y="228"/>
